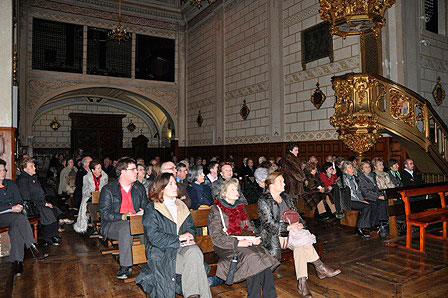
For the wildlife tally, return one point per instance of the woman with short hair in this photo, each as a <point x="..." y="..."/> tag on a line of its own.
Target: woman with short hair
<point x="169" y="240"/>
<point x="382" y="178"/>
<point x="34" y="196"/>
<point x="228" y="220"/>
<point x="253" y="190"/>
<point x="69" y="171"/>
<point x="94" y="181"/>
<point x="19" y="229"/>
<point x="199" y="193"/>
<point x="271" y="206"/>
<point x="393" y="172"/>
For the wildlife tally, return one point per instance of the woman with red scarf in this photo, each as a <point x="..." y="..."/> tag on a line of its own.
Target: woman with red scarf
<point x="227" y="220"/>
<point x="94" y="181"/>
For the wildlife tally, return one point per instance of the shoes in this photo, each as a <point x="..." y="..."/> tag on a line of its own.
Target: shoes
<point x="51" y="242"/>
<point x="361" y="233"/>
<point x="36" y="253"/>
<point x="124" y="272"/>
<point x="194" y="296"/>
<point x="56" y="239"/>
<point x="18" y="268"/>
<point x="324" y="271"/>
<point x="303" y="288"/>
<point x="340" y="215"/>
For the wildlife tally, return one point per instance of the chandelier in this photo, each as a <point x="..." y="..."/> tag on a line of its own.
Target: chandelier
<point x="354" y="17"/>
<point x="119" y="33"/>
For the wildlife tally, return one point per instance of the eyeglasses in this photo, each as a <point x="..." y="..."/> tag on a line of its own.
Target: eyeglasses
<point x="132" y="169"/>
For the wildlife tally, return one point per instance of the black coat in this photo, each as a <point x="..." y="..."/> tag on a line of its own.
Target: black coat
<point x="411" y="180"/>
<point x="10" y="196"/>
<point x="110" y="203"/>
<point x="197" y="200"/>
<point x="269" y="216"/>
<point x="77" y="195"/>
<point x="158" y="276"/>
<point x="252" y="192"/>
<point x="369" y="189"/>
<point x="34" y="196"/>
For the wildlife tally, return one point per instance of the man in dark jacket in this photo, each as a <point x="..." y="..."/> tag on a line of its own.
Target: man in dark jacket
<point x="84" y="169"/>
<point x="409" y="177"/>
<point x="118" y="200"/>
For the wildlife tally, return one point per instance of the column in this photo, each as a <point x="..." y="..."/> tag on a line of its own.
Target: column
<point x="7" y="142"/>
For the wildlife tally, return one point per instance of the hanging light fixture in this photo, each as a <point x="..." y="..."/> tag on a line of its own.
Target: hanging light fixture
<point x="119" y="33"/>
<point x="354" y="17"/>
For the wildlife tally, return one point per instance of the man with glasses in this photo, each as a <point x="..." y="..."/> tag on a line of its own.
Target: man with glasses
<point x="118" y="200"/>
<point x="170" y="167"/>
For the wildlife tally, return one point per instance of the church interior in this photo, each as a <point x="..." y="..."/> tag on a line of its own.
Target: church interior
<point x="231" y="80"/>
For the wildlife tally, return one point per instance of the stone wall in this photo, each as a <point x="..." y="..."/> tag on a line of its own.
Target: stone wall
<point x="46" y="137"/>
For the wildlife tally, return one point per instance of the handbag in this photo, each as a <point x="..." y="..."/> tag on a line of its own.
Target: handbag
<point x="296" y="237"/>
<point x="290" y="216"/>
<point x="345" y="196"/>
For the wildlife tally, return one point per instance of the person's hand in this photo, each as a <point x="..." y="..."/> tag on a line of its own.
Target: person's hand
<point x="17" y="208"/>
<point x="186" y="237"/>
<point x="296" y="225"/>
<point x="381" y="198"/>
<point x="124" y="216"/>
<point x="48" y="205"/>
<point x="244" y="243"/>
<point x="364" y="201"/>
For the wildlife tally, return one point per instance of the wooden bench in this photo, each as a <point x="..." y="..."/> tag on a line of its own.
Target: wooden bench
<point x="200" y="219"/>
<point x="34" y="221"/>
<point x="423" y="219"/>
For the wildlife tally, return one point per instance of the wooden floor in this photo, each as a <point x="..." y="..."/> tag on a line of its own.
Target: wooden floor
<point x="369" y="269"/>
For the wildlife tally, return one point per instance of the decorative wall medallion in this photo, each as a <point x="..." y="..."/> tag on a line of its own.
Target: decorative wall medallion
<point x="199" y="120"/>
<point x="245" y="111"/>
<point x="131" y="127"/>
<point x="318" y="97"/>
<point x="401" y="107"/>
<point x="55" y="124"/>
<point x="438" y="93"/>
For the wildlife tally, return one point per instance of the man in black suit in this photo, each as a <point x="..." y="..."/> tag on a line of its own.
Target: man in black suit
<point x="409" y="177"/>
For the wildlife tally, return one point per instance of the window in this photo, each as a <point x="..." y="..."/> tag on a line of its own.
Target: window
<point x="106" y="57"/>
<point x="57" y="46"/>
<point x="154" y="58"/>
<point x="431" y="12"/>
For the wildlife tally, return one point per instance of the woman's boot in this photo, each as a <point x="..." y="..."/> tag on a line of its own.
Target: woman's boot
<point x="303" y="288"/>
<point x="324" y="271"/>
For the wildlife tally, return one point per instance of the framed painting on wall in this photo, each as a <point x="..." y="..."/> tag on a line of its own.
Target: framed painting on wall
<point x="317" y="43"/>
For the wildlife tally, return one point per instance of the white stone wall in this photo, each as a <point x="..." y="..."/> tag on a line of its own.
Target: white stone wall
<point x="434" y="63"/>
<point x="200" y="76"/>
<point x="46" y="137"/>
<point x="247" y="71"/>
<point x="302" y="120"/>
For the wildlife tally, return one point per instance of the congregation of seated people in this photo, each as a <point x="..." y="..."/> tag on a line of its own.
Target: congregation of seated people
<point x="165" y="192"/>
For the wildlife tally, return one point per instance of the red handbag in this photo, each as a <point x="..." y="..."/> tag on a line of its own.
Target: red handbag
<point x="290" y="216"/>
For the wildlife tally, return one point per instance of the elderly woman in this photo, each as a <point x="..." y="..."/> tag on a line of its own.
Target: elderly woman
<point x="393" y="172"/>
<point x="170" y="245"/>
<point x="371" y="193"/>
<point x="382" y="178"/>
<point x="20" y="232"/>
<point x="292" y="171"/>
<point x="67" y="172"/>
<point x="316" y="194"/>
<point x="141" y="177"/>
<point x="34" y="196"/>
<point x="254" y="190"/>
<point x="271" y="207"/>
<point x="94" y="181"/>
<point x="199" y="193"/>
<point x="227" y="220"/>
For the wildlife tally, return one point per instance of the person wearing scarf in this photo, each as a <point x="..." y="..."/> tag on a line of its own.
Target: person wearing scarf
<point x="94" y="181"/>
<point x="255" y="264"/>
<point x="393" y="172"/>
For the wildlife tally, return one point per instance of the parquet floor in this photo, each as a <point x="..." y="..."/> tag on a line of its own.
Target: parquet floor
<point x="369" y="269"/>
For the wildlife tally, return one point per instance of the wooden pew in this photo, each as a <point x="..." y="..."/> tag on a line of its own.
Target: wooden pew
<point x="423" y="219"/>
<point x="34" y="222"/>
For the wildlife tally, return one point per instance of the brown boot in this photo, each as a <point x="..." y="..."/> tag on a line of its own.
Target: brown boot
<point x="303" y="288"/>
<point x="325" y="271"/>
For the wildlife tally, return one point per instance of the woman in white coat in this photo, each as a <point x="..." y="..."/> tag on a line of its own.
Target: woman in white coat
<point x="94" y="181"/>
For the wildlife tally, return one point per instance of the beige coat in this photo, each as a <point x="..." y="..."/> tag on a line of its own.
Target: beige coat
<point x="251" y="260"/>
<point x="383" y="180"/>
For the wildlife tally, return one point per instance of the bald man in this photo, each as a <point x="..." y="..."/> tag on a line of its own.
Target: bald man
<point x="170" y="167"/>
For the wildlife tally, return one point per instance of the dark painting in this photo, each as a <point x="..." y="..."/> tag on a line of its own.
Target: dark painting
<point x="317" y="43"/>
